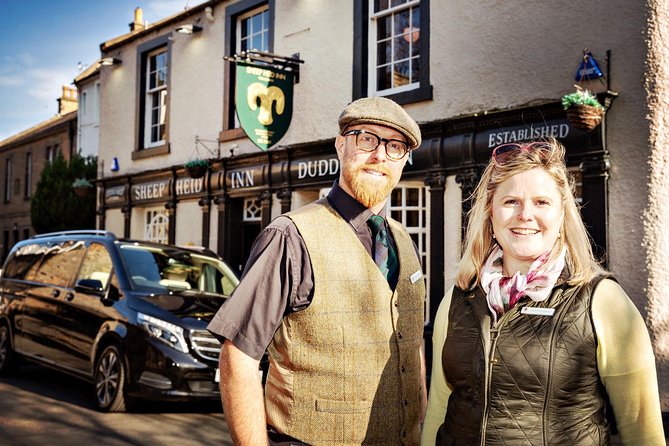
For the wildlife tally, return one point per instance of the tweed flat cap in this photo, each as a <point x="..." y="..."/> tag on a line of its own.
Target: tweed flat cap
<point x="381" y="111"/>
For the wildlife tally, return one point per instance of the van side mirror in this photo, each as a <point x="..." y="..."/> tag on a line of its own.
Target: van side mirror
<point x="112" y="296"/>
<point x="90" y="286"/>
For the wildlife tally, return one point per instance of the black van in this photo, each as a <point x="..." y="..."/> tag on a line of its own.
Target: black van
<point x="128" y="316"/>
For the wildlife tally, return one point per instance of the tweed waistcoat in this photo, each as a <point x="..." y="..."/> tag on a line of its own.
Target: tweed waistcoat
<point x="346" y="370"/>
<point x="532" y="380"/>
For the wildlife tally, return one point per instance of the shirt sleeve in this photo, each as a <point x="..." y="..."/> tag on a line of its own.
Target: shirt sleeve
<point x="439" y="388"/>
<point x="277" y="279"/>
<point x="626" y="365"/>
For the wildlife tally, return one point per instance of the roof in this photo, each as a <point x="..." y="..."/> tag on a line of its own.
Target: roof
<point x="132" y="35"/>
<point x="38" y="129"/>
<point x="89" y="72"/>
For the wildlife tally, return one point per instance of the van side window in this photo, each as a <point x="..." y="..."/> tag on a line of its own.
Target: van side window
<point x="23" y="265"/>
<point x="60" y="262"/>
<point x="97" y="264"/>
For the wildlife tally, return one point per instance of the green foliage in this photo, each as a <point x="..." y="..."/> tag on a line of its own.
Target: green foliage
<point x="580" y="97"/>
<point x="196" y="163"/>
<point x="55" y="207"/>
<point x="82" y="182"/>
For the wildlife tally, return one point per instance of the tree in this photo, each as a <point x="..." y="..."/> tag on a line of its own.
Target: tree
<point x="55" y="206"/>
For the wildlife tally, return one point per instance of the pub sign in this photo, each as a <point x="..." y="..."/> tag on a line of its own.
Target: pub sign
<point x="263" y="102"/>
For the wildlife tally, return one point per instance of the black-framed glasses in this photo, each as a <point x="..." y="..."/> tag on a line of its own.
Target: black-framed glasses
<point x="368" y="142"/>
<point x="503" y="153"/>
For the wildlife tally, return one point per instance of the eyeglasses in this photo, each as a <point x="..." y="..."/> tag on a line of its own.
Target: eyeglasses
<point x="503" y="153"/>
<point x="368" y="142"/>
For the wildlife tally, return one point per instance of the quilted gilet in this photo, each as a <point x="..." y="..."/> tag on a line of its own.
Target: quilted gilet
<point x="531" y="380"/>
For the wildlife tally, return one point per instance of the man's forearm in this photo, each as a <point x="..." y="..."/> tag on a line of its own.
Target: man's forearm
<point x="242" y="396"/>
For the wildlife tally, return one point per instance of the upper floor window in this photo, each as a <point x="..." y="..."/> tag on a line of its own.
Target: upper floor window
<point x="8" y="179"/>
<point x="28" y="176"/>
<point x="251" y="28"/>
<point x="51" y="153"/>
<point x="155" y="98"/>
<point x="395" y="60"/>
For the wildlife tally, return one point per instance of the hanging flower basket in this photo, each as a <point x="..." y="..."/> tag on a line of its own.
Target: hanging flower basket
<point x="82" y="187"/>
<point x="584" y="117"/>
<point x="197" y="168"/>
<point x="584" y="112"/>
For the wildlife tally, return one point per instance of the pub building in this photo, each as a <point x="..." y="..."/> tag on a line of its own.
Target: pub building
<point x="226" y="209"/>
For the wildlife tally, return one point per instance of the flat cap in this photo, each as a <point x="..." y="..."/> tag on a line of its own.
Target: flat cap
<point x="381" y="111"/>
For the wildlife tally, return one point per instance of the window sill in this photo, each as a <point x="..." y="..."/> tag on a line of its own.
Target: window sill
<point x="153" y="151"/>
<point x="422" y="93"/>
<point x="231" y="134"/>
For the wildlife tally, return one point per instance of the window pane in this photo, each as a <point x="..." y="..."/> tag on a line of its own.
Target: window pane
<point x="384" y="29"/>
<point x="380" y="5"/>
<point x="401" y="74"/>
<point x="412" y="196"/>
<point x="383" y="79"/>
<point x="61" y="263"/>
<point x="412" y="219"/>
<point x="383" y="54"/>
<point x="97" y="264"/>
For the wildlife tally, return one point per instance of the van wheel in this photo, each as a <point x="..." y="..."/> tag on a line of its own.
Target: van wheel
<point x="8" y="358"/>
<point x="111" y="380"/>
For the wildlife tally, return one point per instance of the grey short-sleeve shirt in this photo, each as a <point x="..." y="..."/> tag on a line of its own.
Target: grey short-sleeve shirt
<point x="278" y="278"/>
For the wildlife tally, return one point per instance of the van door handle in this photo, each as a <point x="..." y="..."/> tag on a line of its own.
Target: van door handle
<point x="69" y="296"/>
<point x="55" y="293"/>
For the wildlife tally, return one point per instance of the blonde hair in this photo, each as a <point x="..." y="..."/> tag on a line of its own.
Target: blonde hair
<point x="479" y="241"/>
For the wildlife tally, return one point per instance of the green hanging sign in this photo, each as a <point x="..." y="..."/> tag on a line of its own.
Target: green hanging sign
<point x="264" y="102"/>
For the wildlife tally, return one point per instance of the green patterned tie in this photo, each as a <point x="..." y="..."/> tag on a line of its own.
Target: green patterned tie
<point x="385" y="255"/>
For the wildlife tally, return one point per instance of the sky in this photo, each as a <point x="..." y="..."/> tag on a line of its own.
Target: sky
<point x="46" y="44"/>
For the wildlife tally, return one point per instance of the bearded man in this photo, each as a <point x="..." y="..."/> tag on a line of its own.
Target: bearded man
<point x="334" y="292"/>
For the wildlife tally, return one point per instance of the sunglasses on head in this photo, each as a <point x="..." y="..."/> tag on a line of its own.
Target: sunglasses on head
<point x="503" y="153"/>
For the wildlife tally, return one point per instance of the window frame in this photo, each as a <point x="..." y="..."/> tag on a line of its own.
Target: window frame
<point x="144" y="52"/>
<point x="233" y="14"/>
<point x="8" y="179"/>
<point x="28" y="176"/>
<point x="364" y="58"/>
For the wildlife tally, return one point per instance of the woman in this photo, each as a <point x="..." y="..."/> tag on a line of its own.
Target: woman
<point x="536" y="338"/>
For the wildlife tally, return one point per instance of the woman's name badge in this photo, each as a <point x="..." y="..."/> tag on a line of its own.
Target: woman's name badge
<point x="415" y="276"/>
<point x="536" y="311"/>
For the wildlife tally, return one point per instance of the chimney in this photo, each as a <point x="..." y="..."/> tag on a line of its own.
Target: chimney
<point x="138" y="23"/>
<point x="68" y="101"/>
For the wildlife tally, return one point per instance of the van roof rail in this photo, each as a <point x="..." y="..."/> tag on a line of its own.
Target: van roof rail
<point x="76" y="232"/>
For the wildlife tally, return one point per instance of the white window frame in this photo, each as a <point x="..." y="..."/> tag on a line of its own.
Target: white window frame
<point x="157" y="224"/>
<point x="374" y="17"/>
<point x="252" y="210"/>
<point x="423" y="228"/>
<point x="159" y="93"/>
<point x="264" y="31"/>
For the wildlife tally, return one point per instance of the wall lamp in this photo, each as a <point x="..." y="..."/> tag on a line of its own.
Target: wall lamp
<point x="189" y="29"/>
<point x="107" y="61"/>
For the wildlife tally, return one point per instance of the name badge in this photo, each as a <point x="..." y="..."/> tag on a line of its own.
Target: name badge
<point x="536" y="311"/>
<point x="415" y="276"/>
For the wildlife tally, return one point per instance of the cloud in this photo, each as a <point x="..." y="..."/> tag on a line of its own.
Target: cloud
<point x="8" y="80"/>
<point x="160" y="9"/>
<point x="47" y="83"/>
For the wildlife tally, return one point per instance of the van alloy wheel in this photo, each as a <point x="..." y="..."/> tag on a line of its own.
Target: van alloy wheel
<point x="110" y="380"/>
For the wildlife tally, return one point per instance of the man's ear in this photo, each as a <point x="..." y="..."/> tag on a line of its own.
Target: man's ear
<point x="339" y="145"/>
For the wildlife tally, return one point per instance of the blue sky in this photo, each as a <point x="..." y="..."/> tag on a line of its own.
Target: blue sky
<point x="45" y="41"/>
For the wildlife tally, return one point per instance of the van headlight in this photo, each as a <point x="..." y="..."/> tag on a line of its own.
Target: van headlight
<point x="170" y="334"/>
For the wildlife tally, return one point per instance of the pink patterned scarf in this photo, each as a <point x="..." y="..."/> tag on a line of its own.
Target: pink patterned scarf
<point x="503" y="293"/>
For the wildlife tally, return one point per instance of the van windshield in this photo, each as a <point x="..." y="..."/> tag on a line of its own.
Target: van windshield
<point x="160" y="270"/>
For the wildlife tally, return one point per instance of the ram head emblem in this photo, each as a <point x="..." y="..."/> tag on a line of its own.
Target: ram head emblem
<point x="267" y="96"/>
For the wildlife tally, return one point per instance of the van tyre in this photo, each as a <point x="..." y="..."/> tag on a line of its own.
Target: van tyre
<point x="8" y="358"/>
<point x="110" y="381"/>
